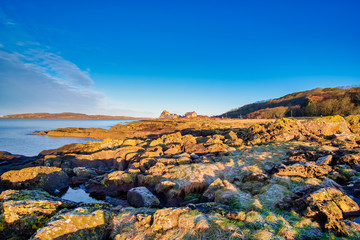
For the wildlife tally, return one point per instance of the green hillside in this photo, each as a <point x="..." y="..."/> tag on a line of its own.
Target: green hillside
<point x="316" y="102"/>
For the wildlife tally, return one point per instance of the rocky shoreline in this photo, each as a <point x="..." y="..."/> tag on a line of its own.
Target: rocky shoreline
<point x="191" y="179"/>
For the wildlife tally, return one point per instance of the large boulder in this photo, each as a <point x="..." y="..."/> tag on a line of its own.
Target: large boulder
<point x="47" y="178"/>
<point x="81" y="223"/>
<point x="273" y="194"/>
<point x="192" y="178"/>
<point x="142" y="197"/>
<point x="233" y="196"/>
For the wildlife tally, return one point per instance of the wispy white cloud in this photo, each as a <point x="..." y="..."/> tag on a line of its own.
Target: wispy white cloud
<point x="56" y="67"/>
<point x="35" y="79"/>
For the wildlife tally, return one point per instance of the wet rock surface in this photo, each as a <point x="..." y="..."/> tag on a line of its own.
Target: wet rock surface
<point x="286" y="179"/>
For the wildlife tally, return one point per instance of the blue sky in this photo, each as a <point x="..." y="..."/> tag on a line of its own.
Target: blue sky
<point x="140" y="57"/>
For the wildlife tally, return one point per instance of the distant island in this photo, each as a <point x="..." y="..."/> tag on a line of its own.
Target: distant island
<point x="66" y="115"/>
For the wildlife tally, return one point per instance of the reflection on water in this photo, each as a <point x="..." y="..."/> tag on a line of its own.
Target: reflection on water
<point x="79" y="195"/>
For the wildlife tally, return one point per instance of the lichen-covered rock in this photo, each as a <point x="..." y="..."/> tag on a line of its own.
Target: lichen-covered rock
<point x="188" y="139"/>
<point x="81" y="148"/>
<point x="165" y="219"/>
<point x="47" y="178"/>
<point x="273" y="194"/>
<point x="173" y="149"/>
<point x="353" y="123"/>
<point x="84" y="172"/>
<point x="191" y="178"/>
<point x="152" y="152"/>
<point x="327" y="126"/>
<point x="281" y="130"/>
<point x="173" y="138"/>
<point x="329" y="204"/>
<point x="209" y="194"/>
<point x="233" y="139"/>
<point x="142" y="197"/>
<point x="24" y="211"/>
<point x="124" y="154"/>
<point x="349" y="159"/>
<point x="81" y="223"/>
<point x="262" y="235"/>
<point x="114" y="183"/>
<point x="191" y="220"/>
<point x="131" y="142"/>
<point x="231" y="195"/>
<point x="303" y="170"/>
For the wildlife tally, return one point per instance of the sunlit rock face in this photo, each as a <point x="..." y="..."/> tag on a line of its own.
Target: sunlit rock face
<point x="23" y="211"/>
<point x="47" y="178"/>
<point x="285" y="178"/>
<point x="80" y="223"/>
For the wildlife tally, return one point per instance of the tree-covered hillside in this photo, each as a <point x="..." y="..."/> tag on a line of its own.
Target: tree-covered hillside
<point x="316" y="102"/>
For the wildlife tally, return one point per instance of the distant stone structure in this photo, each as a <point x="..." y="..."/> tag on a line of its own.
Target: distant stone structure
<point x="190" y="115"/>
<point x="165" y="114"/>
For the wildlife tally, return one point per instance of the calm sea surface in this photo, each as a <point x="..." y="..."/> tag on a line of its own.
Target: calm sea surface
<point x="16" y="134"/>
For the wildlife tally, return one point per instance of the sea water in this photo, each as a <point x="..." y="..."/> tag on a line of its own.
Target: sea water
<point x="16" y="135"/>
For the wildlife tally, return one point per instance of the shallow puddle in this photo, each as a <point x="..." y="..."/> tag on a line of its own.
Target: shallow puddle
<point x="79" y="195"/>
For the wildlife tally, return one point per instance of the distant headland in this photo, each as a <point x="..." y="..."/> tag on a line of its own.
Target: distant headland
<point x="66" y="115"/>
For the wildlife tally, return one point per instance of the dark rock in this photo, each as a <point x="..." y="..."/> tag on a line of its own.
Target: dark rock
<point x="255" y="177"/>
<point x="142" y="197"/>
<point x="117" y="202"/>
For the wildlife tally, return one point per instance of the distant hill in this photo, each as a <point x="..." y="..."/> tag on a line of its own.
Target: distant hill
<point x="65" y="115"/>
<point x="316" y="102"/>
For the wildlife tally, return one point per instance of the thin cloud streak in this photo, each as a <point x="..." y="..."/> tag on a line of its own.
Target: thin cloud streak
<point x="34" y="79"/>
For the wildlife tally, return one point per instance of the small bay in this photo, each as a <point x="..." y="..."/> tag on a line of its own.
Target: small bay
<point x="16" y="135"/>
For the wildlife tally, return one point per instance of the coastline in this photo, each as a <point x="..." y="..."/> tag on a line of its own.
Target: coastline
<point x="192" y="177"/>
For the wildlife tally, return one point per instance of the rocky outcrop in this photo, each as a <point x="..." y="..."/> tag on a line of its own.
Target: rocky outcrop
<point x="282" y="179"/>
<point x="47" y="178"/>
<point x="10" y="161"/>
<point x="23" y="211"/>
<point x="329" y="204"/>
